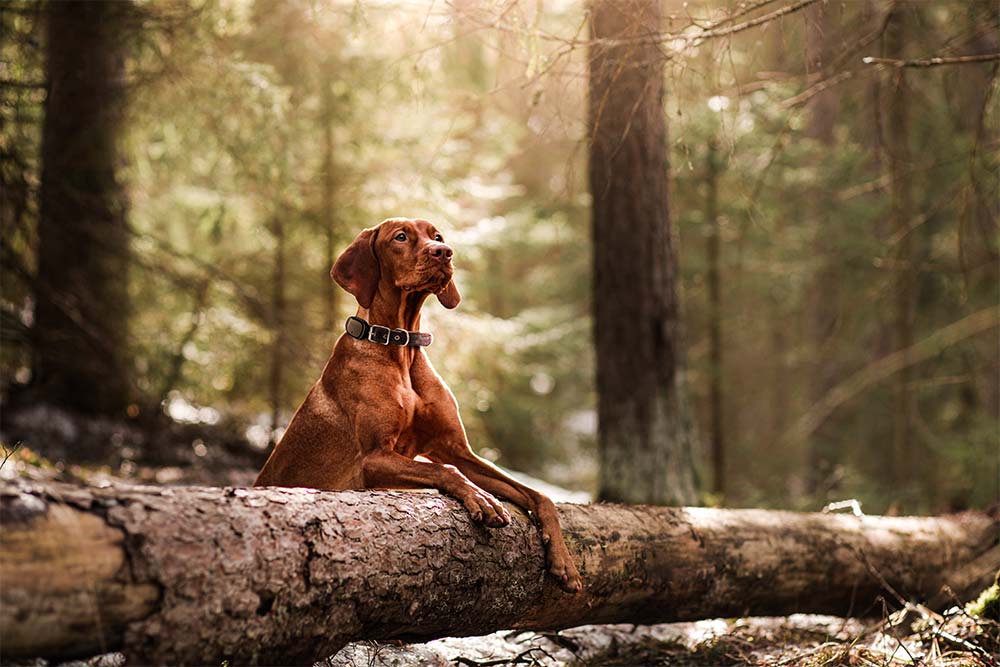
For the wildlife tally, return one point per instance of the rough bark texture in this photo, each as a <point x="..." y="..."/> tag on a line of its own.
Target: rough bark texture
<point x="277" y="576"/>
<point x="644" y="424"/>
<point x="80" y="330"/>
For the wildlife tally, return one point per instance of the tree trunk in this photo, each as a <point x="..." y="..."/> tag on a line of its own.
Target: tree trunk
<point x="644" y="425"/>
<point x="280" y="576"/>
<point x="81" y="317"/>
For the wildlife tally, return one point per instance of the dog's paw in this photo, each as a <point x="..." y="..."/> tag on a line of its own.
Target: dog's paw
<point x="566" y="575"/>
<point x="486" y="509"/>
<point x="502" y="517"/>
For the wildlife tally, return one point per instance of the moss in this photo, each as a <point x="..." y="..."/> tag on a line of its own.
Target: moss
<point x="987" y="605"/>
<point x="827" y="655"/>
<point x="647" y="652"/>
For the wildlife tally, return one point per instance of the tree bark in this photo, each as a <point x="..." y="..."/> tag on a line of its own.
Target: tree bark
<point x="288" y="576"/>
<point x="645" y="429"/>
<point x="81" y="317"/>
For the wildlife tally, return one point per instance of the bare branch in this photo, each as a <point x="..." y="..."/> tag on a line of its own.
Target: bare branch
<point x="711" y="31"/>
<point x="743" y="11"/>
<point x="979" y="322"/>
<point x="753" y="23"/>
<point x="816" y="89"/>
<point x="933" y="62"/>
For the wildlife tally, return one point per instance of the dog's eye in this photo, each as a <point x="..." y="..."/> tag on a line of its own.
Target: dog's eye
<point x="400" y="236"/>
<point x="438" y="238"/>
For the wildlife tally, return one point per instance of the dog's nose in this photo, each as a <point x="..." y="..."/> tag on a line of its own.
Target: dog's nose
<point x="441" y="252"/>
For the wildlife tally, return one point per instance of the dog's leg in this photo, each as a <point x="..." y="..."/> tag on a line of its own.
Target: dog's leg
<point x="489" y="477"/>
<point x="388" y="469"/>
<point x="439" y="429"/>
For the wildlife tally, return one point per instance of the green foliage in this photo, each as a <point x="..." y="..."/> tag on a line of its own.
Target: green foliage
<point x="794" y="209"/>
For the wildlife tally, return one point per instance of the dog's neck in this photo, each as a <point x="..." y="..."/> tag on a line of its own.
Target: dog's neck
<point x="394" y="308"/>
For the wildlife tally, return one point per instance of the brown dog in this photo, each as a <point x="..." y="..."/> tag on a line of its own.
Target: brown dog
<point x="379" y="402"/>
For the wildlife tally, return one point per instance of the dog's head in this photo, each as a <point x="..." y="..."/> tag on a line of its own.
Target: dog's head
<point x="405" y="253"/>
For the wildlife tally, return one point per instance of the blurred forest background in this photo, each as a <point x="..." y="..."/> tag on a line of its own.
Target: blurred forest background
<point x="837" y="225"/>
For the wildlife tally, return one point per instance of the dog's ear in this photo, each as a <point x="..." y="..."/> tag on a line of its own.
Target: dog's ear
<point x="356" y="270"/>
<point x="449" y="296"/>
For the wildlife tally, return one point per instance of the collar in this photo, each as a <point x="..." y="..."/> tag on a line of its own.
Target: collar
<point x="358" y="328"/>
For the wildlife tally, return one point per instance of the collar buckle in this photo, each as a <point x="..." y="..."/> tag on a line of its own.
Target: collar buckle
<point x="379" y="334"/>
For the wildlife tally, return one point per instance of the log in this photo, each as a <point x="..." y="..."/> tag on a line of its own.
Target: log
<point x="192" y="575"/>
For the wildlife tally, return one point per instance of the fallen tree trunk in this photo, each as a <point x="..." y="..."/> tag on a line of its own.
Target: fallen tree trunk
<point x="282" y="576"/>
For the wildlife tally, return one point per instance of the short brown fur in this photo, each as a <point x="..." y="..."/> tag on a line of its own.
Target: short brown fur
<point x="377" y="407"/>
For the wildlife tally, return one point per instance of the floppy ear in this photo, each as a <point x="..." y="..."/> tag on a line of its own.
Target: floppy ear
<point x="449" y="296"/>
<point x="356" y="270"/>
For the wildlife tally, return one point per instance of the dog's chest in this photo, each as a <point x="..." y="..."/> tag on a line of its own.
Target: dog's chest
<point x="407" y="399"/>
<point x="422" y="424"/>
<point x="406" y="443"/>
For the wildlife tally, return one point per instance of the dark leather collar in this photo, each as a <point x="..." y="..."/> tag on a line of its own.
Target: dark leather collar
<point x="358" y="328"/>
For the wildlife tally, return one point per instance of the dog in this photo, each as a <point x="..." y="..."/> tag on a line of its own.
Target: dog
<point x="379" y="403"/>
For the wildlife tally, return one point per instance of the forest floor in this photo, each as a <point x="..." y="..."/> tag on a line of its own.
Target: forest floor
<point x="950" y="640"/>
<point x="177" y="454"/>
<point x="801" y="640"/>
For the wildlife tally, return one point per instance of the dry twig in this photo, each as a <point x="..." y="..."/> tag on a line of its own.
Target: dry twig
<point x="933" y="62"/>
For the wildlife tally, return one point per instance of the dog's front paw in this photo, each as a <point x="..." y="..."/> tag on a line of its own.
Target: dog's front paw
<point x="486" y="509"/>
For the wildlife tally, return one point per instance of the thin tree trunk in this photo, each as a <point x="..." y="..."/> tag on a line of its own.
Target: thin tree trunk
<point x="276" y="380"/>
<point x="329" y="188"/>
<point x="778" y="359"/>
<point x="176" y="366"/>
<point x="81" y="317"/>
<point x="713" y="252"/>
<point x="645" y="431"/>
<point x="978" y="250"/>
<point x="905" y="277"/>
<point x="824" y="306"/>
<point x="288" y="576"/>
